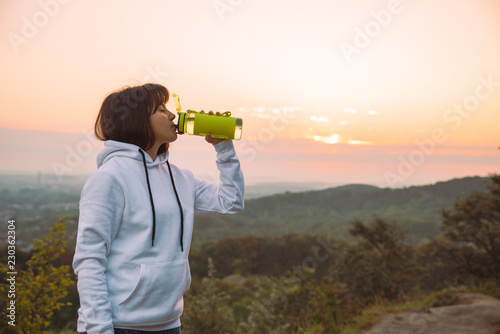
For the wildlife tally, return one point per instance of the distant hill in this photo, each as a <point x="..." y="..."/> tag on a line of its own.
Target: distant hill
<point x="417" y="209"/>
<point x="39" y="200"/>
<point x="272" y="188"/>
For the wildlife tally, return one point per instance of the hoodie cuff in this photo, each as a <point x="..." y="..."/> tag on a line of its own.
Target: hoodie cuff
<point x="224" y="149"/>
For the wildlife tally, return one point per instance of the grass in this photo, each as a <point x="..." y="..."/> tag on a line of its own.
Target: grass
<point x="444" y="297"/>
<point x="369" y="317"/>
<point x="374" y="313"/>
<point x="489" y="288"/>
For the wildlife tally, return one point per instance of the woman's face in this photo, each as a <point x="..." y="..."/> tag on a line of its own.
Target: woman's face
<point x="162" y="122"/>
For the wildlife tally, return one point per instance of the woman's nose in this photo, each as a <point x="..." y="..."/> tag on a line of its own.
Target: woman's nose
<point x="171" y="116"/>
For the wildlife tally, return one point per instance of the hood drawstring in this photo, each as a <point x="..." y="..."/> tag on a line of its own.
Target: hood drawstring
<point x="153" y="205"/>
<point x="150" y="197"/>
<point x="178" y="203"/>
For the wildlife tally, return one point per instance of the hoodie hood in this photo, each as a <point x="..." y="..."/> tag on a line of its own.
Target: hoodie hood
<point x="125" y="150"/>
<point x="118" y="149"/>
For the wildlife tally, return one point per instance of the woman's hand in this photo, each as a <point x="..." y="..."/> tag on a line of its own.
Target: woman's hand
<point x="212" y="140"/>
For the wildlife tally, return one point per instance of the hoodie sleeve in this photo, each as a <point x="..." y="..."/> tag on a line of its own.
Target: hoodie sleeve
<point x="228" y="196"/>
<point x="101" y="207"/>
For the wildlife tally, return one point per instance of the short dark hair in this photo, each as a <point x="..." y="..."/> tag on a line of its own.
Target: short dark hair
<point x="124" y="115"/>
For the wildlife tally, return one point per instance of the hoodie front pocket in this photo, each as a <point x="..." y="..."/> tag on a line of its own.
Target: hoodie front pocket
<point x="157" y="295"/>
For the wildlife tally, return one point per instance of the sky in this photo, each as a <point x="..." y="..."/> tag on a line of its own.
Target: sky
<point x="386" y="92"/>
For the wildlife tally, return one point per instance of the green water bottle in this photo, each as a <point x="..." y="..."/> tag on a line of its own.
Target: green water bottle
<point x="221" y="126"/>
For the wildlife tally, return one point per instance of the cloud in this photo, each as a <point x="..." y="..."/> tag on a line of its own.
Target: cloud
<point x="351" y="111"/>
<point x="319" y="119"/>
<point x="359" y="142"/>
<point x="333" y="139"/>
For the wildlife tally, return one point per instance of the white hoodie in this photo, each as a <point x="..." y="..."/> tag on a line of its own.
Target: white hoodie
<point x="132" y="274"/>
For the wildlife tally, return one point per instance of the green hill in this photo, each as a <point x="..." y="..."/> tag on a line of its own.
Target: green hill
<point x="39" y="201"/>
<point x="417" y="209"/>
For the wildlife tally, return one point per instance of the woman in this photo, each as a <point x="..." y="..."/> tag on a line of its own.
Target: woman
<point x="136" y="217"/>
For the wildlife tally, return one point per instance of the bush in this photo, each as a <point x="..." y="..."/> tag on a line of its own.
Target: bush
<point x="39" y="288"/>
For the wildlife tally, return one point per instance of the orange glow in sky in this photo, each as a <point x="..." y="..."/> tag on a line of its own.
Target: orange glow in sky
<point x="360" y="73"/>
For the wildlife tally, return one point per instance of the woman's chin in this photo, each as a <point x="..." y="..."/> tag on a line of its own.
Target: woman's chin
<point x="174" y="138"/>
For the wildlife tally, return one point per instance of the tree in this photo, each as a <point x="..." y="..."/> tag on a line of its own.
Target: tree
<point x="40" y="288"/>
<point x="379" y="265"/>
<point x="386" y="238"/>
<point x="473" y="225"/>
